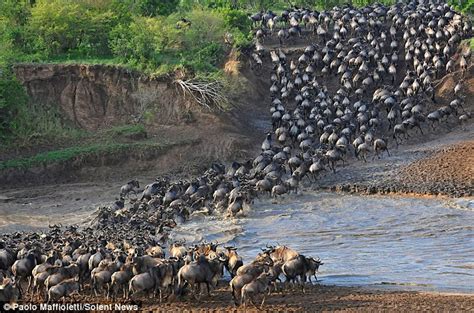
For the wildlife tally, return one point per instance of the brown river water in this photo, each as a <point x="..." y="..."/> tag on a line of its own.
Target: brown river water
<point x="407" y="243"/>
<point x="377" y="241"/>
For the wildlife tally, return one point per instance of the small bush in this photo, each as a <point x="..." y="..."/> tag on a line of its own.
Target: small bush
<point x="60" y="26"/>
<point x="138" y="43"/>
<point x="13" y="101"/>
<point x="156" y="7"/>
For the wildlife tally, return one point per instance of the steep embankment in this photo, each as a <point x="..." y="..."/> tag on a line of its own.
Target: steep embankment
<point x="180" y="135"/>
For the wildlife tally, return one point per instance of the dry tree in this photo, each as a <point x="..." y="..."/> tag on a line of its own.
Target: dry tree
<point x="206" y="93"/>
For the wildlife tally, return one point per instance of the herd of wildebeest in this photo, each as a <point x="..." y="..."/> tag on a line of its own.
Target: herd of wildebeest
<point x="384" y="62"/>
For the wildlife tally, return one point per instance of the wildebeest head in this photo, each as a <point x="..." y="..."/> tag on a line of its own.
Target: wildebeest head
<point x="314" y="264"/>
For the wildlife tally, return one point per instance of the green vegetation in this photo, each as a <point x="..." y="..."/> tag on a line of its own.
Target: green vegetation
<point x="22" y="122"/>
<point x="126" y="131"/>
<point x="77" y="152"/>
<point x="153" y="36"/>
<point x="464" y="6"/>
<point x="193" y="37"/>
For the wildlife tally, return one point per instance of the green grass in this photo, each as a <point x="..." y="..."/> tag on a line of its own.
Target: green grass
<point x="125" y="130"/>
<point x="71" y="153"/>
<point x="74" y="58"/>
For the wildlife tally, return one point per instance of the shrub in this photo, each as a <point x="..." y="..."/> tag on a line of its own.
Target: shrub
<point x="60" y="26"/>
<point x="156" y="7"/>
<point x="13" y="100"/>
<point x="140" y="42"/>
<point x="157" y="44"/>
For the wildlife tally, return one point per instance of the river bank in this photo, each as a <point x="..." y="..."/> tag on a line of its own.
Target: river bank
<point x="317" y="298"/>
<point x="439" y="166"/>
<point x="331" y="299"/>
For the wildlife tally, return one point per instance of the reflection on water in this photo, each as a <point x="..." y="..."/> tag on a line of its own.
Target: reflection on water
<point x="424" y="244"/>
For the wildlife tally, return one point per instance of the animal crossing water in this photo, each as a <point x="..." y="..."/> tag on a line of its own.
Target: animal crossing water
<point x="409" y="243"/>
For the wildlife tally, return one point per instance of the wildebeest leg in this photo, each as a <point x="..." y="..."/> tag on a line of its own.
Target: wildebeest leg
<point x="253" y="302"/>
<point x="419" y="127"/>
<point x="303" y="282"/>
<point x="197" y="291"/>
<point x="234" y="296"/>
<point x="29" y="284"/>
<point x="263" y="301"/>
<point x="20" y="290"/>
<point x="388" y="153"/>
<point x="208" y="289"/>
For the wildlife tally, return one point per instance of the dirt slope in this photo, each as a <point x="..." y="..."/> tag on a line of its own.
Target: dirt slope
<point x="98" y="97"/>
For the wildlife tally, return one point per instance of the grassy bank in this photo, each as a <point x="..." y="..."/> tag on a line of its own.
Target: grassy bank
<point x="78" y="152"/>
<point x="75" y="145"/>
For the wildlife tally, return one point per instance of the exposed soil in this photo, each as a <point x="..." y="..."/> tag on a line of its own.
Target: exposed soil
<point x="450" y="169"/>
<point x="442" y="165"/>
<point x="100" y="97"/>
<point x="332" y="298"/>
<point x="317" y="298"/>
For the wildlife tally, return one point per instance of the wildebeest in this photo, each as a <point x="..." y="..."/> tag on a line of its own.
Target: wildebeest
<point x="65" y="288"/>
<point x="257" y="286"/>
<point x="201" y="271"/>
<point x="129" y="187"/>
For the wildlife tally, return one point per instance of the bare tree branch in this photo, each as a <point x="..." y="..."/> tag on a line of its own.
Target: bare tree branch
<point x="205" y="93"/>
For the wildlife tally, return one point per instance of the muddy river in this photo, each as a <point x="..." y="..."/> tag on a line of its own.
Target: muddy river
<point x="390" y="242"/>
<point x="408" y="243"/>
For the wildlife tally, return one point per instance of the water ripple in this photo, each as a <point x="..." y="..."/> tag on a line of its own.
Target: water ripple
<point x="426" y="244"/>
